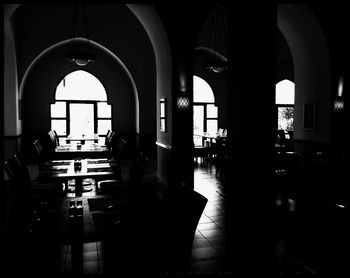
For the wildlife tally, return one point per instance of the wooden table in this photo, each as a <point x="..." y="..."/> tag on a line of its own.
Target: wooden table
<point x="81" y="151"/>
<point x="205" y="136"/>
<point x="54" y="170"/>
<point x="83" y="138"/>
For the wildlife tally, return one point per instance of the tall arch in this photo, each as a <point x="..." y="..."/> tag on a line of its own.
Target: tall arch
<point x="150" y="20"/>
<point x="115" y="58"/>
<point x="310" y="54"/>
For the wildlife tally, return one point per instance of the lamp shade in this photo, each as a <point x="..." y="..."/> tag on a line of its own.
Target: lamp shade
<point x="81" y="58"/>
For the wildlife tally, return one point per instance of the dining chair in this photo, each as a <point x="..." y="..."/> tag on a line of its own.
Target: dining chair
<point x="42" y="152"/>
<point x="57" y="139"/>
<point x="133" y="186"/>
<point x="116" y="153"/>
<point x="18" y="173"/>
<point x="108" y="135"/>
<point x="110" y="139"/>
<point x="52" y="139"/>
<point x="30" y="199"/>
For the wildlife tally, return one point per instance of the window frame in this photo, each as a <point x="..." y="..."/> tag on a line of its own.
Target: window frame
<point x="205" y="118"/>
<point x="67" y="118"/>
<point x="283" y="105"/>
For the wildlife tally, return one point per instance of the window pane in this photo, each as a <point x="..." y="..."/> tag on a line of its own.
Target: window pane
<point x="81" y="118"/>
<point x="212" y="111"/>
<point x="198" y="118"/>
<point x="285" y="118"/>
<point x="285" y="92"/>
<point x="81" y="85"/>
<point x="103" y="126"/>
<point x="58" y="110"/>
<point x="104" y="110"/>
<point x="197" y="141"/>
<point x="59" y="126"/>
<point x="162" y="108"/>
<point x="212" y="127"/>
<point x="202" y="91"/>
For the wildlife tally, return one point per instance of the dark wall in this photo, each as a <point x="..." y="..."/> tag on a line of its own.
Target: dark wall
<point x="284" y="60"/>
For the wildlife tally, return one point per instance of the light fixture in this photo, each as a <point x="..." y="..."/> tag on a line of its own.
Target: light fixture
<point x="338" y="104"/>
<point x="215" y="61"/>
<point x="80" y="50"/>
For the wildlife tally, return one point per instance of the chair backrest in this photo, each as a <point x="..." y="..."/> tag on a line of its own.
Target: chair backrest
<point x="118" y="146"/>
<point x="137" y="172"/>
<point x="112" y="137"/>
<point x="108" y="135"/>
<point x="57" y="139"/>
<point x="42" y="153"/>
<point x="281" y="136"/>
<point x="52" y="140"/>
<point x="18" y="173"/>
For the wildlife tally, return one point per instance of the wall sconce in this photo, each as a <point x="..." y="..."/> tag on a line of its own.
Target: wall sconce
<point x="338" y="104"/>
<point x="182" y="102"/>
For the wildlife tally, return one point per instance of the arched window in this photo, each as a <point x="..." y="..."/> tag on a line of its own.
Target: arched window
<point x="80" y="106"/>
<point x="205" y="113"/>
<point x="285" y="106"/>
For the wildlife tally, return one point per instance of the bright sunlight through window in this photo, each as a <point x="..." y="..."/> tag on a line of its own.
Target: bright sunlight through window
<point x="285" y="104"/>
<point x="285" y="92"/>
<point x="202" y="92"/>
<point x="205" y="113"/>
<point x="81" y="106"/>
<point x="80" y="85"/>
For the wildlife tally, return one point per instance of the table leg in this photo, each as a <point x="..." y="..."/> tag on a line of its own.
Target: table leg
<point x="78" y="187"/>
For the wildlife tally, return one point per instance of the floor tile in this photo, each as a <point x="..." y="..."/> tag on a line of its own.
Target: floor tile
<point x="206" y="226"/>
<point x="200" y="243"/>
<point x="91" y="246"/>
<point x="214" y="212"/>
<point x="90" y="256"/>
<point x="212" y="233"/>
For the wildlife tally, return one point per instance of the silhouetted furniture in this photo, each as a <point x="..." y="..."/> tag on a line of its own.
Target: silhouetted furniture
<point x="133" y="186"/>
<point x="116" y="153"/>
<point x="18" y="173"/>
<point x="174" y="237"/>
<point x="42" y="151"/>
<point x="54" y="141"/>
<point x="201" y="152"/>
<point x="28" y="200"/>
<point x="66" y="170"/>
<point x="284" y="140"/>
<point x="156" y="232"/>
<point x="281" y="137"/>
<point x="221" y="156"/>
<point x="83" y="151"/>
<point x="83" y="138"/>
<point x="108" y="135"/>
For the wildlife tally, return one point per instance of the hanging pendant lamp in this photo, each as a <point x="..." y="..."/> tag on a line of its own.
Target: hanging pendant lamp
<point x="80" y="50"/>
<point x="215" y="61"/>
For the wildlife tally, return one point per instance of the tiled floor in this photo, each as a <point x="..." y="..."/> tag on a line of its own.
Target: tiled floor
<point x="208" y="250"/>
